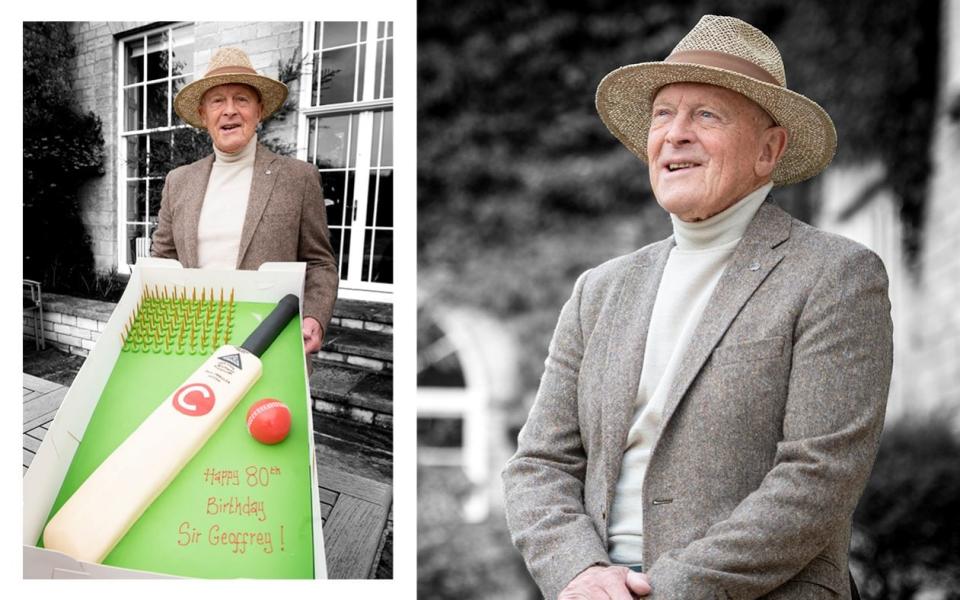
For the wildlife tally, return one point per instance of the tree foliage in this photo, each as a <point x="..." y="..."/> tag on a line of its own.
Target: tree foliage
<point x="521" y="187"/>
<point x="508" y="136"/>
<point x="62" y="149"/>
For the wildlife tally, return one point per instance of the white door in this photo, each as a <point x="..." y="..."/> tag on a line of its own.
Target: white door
<point x="346" y="130"/>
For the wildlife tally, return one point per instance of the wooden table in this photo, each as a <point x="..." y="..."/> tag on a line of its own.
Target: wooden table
<point x="353" y="509"/>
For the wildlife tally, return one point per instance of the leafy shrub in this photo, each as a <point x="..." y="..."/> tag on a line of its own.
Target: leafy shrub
<point x="905" y="535"/>
<point x="463" y="561"/>
<point x="62" y="149"/>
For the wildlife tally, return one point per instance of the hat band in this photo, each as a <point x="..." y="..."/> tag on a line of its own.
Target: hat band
<point x="721" y="60"/>
<point x="231" y="69"/>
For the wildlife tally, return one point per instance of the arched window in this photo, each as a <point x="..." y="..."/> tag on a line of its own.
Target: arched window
<point x="466" y="372"/>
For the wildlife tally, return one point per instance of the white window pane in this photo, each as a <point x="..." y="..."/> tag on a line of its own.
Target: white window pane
<point x="362" y="65"/>
<point x="133" y="61"/>
<point x="380" y="198"/>
<point x="339" y="33"/>
<point x="137" y="156"/>
<point x="176" y="86"/>
<point x="133" y="109"/>
<point x="338" y="71"/>
<point x="379" y="74"/>
<point x="388" y="76"/>
<point x="136" y="200"/>
<point x="157" y="105"/>
<point x="135" y="232"/>
<point x="386" y="152"/>
<point x="332" y="142"/>
<point x="157" y="56"/>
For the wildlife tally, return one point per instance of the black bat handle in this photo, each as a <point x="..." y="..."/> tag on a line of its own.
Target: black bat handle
<point x="267" y="331"/>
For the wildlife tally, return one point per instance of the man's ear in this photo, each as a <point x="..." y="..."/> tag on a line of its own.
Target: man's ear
<point x="773" y="143"/>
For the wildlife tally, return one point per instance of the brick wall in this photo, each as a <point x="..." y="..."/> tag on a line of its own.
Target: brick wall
<point x="96" y="90"/>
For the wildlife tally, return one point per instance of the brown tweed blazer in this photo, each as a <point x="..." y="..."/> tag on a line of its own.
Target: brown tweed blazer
<point x="769" y="432"/>
<point x="285" y="222"/>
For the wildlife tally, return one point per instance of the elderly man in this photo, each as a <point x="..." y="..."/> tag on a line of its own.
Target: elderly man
<point x="244" y="205"/>
<point x="712" y="403"/>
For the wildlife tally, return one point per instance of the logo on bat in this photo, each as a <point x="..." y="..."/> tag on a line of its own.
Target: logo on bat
<point x="233" y="359"/>
<point x="194" y="399"/>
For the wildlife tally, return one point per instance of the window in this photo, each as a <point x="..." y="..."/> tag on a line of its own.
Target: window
<point x="453" y="411"/>
<point x="154" y="66"/>
<point x="346" y="131"/>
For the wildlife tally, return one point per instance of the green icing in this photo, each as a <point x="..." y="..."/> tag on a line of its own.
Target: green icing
<point x="256" y="530"/>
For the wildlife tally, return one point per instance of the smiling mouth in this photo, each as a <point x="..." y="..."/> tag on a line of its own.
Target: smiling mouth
<point x="230" y="127"/>
<point x="680" y="166"/>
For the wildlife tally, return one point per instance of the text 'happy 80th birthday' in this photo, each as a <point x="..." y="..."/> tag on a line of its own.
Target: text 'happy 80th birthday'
<point x="237" y="540"/>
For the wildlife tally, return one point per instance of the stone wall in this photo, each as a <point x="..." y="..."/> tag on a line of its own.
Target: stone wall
<point x="267" y="44"/>
<point x="96" y="91"/>
<point x="70" y="324"/>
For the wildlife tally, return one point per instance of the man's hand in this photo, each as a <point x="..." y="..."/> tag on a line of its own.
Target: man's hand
<point x="600" y="583"/>
<point x="311" y="335"/>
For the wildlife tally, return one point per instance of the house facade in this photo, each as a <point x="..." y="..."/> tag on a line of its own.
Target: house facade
<point x="339" y="117"/>
<point x="925" y="296"/>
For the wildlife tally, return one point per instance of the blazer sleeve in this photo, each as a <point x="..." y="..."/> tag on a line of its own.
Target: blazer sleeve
<point x="163" y="245"/>
<point x="835" y="405"/>
<point x="322" y="280"/>
<point x="543" y="481"/>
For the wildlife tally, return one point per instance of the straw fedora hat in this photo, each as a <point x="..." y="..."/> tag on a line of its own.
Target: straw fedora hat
<point x="729" y="53"/>
<point x="228" y="65"/>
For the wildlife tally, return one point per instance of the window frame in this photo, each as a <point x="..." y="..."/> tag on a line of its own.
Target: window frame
<point x="364" y="110"/>
<point x="123" y="263"/>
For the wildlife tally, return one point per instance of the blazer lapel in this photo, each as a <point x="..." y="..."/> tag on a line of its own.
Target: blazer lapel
<point x="624" y="356"/>
<point x="192" y="203"/>
<point x="264" y="178"/>
<point x="752" y="261"/>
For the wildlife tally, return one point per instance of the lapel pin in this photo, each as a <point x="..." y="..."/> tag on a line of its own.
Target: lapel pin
<point x="754" y="266"/>
<point x="268" y="171"/>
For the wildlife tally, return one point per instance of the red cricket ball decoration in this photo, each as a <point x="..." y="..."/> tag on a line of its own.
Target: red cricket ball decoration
<point x="268" y="421"/>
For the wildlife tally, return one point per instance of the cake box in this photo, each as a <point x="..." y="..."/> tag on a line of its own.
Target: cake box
<point x="239" y="508"/>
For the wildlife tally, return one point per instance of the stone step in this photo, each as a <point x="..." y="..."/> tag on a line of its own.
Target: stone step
<point x="351" y="312"/>
<point x="358" y="449"/>
<point x="370" y="349"/>
<point x="352" y="386"/>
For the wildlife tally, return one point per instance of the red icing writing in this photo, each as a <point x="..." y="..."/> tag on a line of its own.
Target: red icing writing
<point x="234" y="506"/>
<point x="221" y="477"/>
<point x="236" y="540"/>
<point x="259" y="476"/>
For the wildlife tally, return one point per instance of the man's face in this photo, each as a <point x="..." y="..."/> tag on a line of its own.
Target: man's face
<point x="708" y="147"/>
<point x="230" y="113"/>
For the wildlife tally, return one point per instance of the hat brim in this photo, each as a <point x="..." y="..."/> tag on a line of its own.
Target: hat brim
<point x="625" y="99"/>
<point x="273" y="93"/>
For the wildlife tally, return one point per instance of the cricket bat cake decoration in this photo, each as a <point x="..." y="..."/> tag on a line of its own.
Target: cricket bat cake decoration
<point x="117" y="493"/>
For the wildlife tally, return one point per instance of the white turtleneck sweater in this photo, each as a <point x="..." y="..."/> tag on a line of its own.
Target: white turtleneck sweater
<point x="693" y="269"/>
<point x="224" y="208"/>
